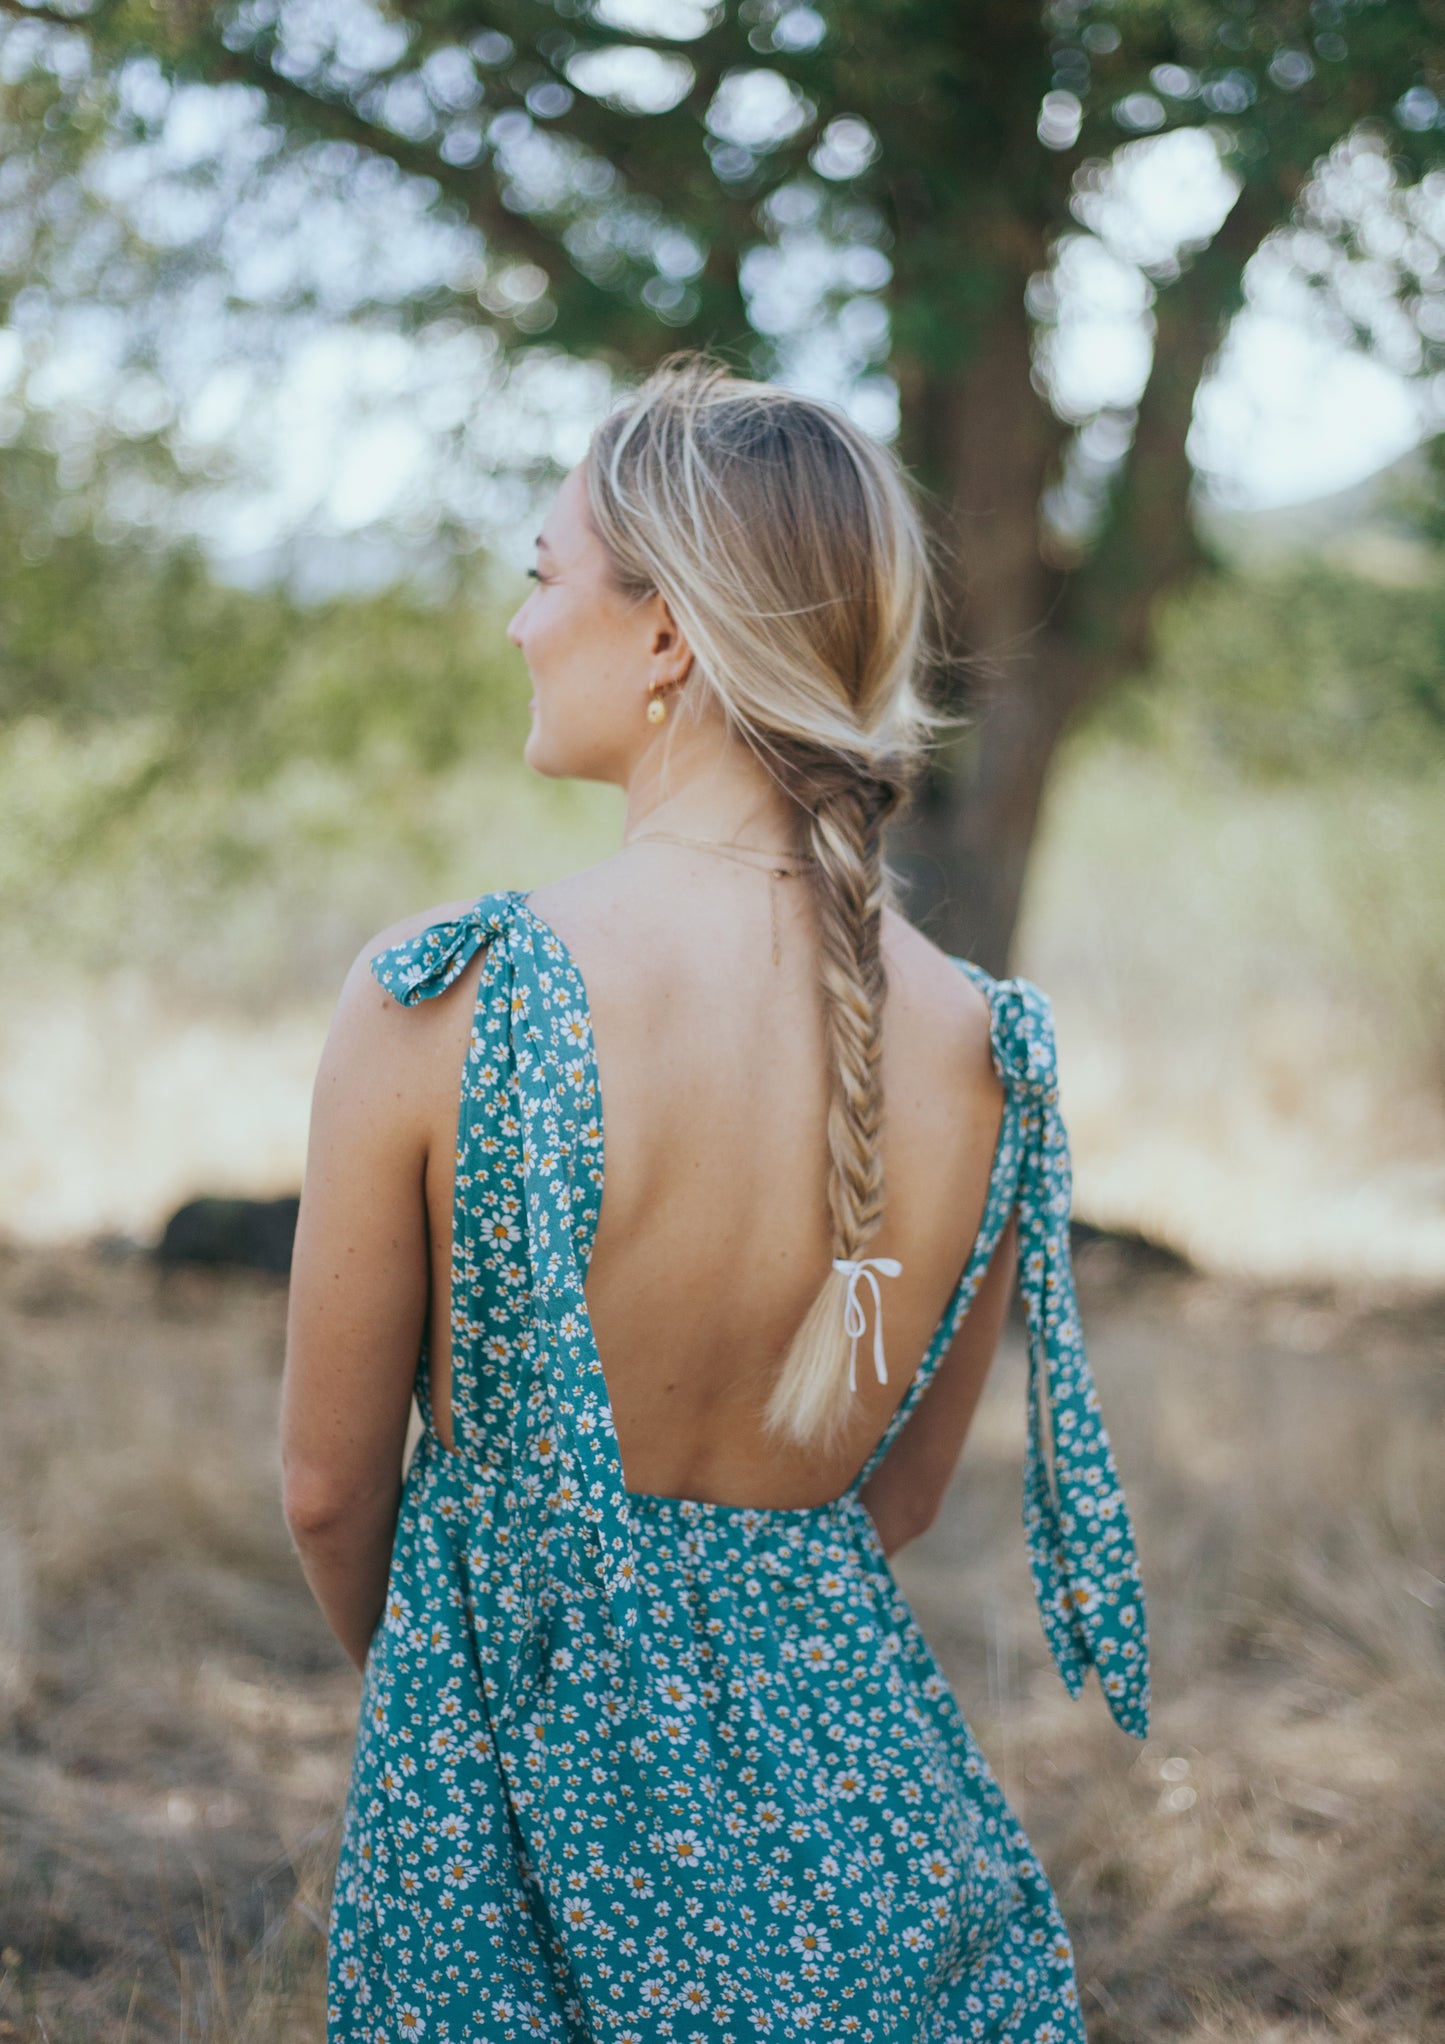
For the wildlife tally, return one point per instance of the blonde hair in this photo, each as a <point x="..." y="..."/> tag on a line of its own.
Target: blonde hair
<point x="787" y="546"/>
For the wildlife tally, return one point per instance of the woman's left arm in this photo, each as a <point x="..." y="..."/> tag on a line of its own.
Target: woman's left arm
<point x="359" y="1289"/>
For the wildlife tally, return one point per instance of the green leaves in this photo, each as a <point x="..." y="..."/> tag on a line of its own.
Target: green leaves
<point x="96" y="636"/>
<point x="1298" y="674"/>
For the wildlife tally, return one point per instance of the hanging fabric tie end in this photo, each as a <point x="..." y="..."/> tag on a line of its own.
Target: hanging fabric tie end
<point x="855" y="1317"/>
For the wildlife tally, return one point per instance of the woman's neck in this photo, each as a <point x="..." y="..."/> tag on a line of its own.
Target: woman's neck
<point x="709" y="785"/>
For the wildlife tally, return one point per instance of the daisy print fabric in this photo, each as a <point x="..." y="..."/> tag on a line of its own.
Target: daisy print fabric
<point x="644" y="1770"/>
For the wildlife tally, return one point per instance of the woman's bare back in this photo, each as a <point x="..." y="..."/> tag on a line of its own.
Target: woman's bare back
<point x="713" y="1235"/>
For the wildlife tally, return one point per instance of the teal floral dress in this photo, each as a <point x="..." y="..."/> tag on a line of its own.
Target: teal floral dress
<point x="643" y="1770"/>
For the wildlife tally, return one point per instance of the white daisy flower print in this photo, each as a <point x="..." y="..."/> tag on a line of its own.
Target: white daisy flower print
<point x="575" y="1692"/>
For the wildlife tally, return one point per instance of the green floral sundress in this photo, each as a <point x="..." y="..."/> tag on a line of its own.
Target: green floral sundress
<point x="643" y="1770"/>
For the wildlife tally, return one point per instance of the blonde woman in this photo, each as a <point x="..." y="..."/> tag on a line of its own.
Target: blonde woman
<point x="705" y="1271"/>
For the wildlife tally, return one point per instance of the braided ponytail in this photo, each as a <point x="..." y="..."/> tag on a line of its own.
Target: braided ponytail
<point x="788" y="548"/>
<point x="845" y="808"/>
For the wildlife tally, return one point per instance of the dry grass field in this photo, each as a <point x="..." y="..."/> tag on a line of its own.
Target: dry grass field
<point x="1268" y="1866"/>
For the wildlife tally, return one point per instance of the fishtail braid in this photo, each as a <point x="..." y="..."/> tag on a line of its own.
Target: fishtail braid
<point x="845" y="805"/>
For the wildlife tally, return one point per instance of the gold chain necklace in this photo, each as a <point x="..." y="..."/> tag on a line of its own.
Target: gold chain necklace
<point x="742" y="853"/>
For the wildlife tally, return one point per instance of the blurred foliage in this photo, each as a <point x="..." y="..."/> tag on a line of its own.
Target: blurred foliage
<point x="632" y="155"/>
<point x="118" y="634"/>
<point x="177" y="754"/>
<point x="242" y="897"/>
<point x="1187" y="900"/>
<point x="1418" y="502"/>
<point x="623" y="177"/>
<point x="1294" y="675"/>
<point x="613" y="178"/>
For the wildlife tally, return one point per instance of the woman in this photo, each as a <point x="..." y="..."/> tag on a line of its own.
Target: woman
<point x="650" y="1744"/>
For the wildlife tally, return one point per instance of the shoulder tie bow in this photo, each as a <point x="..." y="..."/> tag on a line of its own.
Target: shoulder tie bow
<point x="427" y="964"/>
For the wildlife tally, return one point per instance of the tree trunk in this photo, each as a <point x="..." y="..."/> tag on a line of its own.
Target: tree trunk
<point x="963" y="851"/>
<point x="1032" y="646"/>
<point x="984" y="442"/>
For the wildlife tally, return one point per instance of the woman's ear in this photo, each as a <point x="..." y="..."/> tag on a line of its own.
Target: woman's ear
<point x="669" y="654"/>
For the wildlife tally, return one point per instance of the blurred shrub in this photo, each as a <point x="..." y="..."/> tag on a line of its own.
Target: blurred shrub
<point x="1293" y="674"/>
<point x="96" y="634"/>
<point x="191" y="770"/>
<point x="1275" y="779"/>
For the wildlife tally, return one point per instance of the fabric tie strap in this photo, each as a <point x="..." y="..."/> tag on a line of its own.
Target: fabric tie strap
<point x="855" y="1317"/>
<point x="1080" y="1541"/>
<point x="428" y="963"/>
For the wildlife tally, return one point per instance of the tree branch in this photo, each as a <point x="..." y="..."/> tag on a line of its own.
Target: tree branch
<point x="1149" y="544"/>
<point x="592" y="314"/>
<point x="516" y="233"/>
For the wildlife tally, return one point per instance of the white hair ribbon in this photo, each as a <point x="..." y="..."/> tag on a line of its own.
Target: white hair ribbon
<point x="855" y="1319"/>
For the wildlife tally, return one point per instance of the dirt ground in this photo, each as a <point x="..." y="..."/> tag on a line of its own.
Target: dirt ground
<point x="175" y="1722"/>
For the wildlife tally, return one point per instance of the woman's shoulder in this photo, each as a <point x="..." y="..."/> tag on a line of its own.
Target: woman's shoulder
<point x="939" y="1004"/>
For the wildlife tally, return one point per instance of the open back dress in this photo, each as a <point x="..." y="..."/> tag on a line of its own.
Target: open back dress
<point x="645" y="1770"/>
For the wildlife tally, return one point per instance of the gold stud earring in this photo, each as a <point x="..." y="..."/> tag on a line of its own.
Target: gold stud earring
<point x="656" y="710"/>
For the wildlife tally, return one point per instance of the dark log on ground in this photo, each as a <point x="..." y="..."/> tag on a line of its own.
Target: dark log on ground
<point x="248" y="1234"/>
<point x="1127" y="1248"/>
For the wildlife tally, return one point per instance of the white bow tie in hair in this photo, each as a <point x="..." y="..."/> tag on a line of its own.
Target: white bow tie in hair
<point x="855" y="1319"/>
